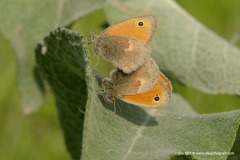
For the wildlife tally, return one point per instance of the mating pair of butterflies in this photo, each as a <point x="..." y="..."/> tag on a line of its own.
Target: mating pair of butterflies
<point x="137" y="79"/>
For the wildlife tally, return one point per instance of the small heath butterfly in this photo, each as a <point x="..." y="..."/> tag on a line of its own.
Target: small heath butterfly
<point x="146" y="87"/>
<point x="126" y="44"/>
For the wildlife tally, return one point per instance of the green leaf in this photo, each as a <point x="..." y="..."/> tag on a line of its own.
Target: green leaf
<point x="61" y="59"/>
<point x="124" y="131"/>
<point x="24" y="23"/>
<point x="156" y="134"/>
<point x="184" y="47"/>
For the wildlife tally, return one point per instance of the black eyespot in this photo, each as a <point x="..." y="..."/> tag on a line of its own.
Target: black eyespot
<point x="157" y="98"/>
<point x="140" y="23"/>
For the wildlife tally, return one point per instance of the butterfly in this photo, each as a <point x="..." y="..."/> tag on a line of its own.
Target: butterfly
<point x="126" y="44"/>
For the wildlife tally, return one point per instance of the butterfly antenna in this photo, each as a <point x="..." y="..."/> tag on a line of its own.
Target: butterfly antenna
<point x="98" y="60"/>
<point x="92" y="71"/>
<point x="83" y="112"/>
<point x="92" y="56"/>
<point x="89" y="37"/>
<point x="89" y="46"/>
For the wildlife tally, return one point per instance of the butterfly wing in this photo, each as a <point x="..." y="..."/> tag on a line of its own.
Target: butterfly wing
<point x="140" y="28"/>
<point x="166" y="83"/>
<point x="158" y="97"/>
<point x="125" y="53"/>
<point x="140" y="81"/>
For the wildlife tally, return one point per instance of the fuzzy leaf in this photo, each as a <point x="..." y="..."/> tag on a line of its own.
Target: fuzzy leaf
<point x="61" y="59"/>
<point x="148" y="134"/>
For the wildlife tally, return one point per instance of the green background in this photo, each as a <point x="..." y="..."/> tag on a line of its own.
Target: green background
<point x="39" y="136"/>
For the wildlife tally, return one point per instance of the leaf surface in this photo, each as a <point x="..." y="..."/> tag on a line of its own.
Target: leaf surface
<point x="62" y="62"/>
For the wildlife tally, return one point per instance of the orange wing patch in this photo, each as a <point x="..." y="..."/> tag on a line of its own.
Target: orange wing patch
<point x="158" y="97"/>
<point x="140" y="28"/>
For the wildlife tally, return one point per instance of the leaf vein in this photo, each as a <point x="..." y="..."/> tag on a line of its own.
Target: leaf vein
<point x="139" y="133"/>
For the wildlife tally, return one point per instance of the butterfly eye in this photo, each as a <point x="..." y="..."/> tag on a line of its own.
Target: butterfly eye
<point x="140" y="23"/>
<point x="156" y="98"/>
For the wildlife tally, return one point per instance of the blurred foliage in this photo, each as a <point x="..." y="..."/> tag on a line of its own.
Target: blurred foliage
<point x="22" y="136"/>
<point x="25" y="136"/>
<point x="222" y="17"/>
